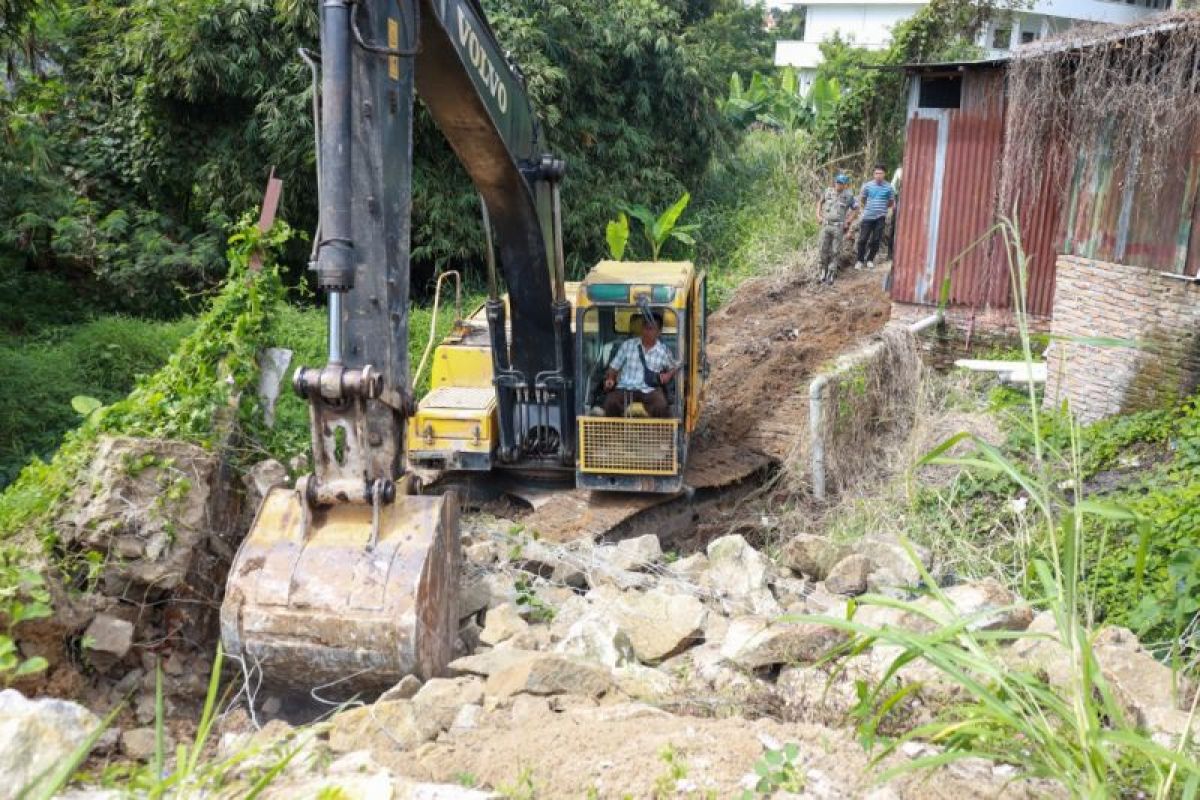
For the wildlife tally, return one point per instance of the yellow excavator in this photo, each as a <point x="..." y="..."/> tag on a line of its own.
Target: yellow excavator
<point x="351" y="577"/>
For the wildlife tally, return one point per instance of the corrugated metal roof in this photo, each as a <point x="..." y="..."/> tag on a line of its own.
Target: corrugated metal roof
<point x="942" y="66"/>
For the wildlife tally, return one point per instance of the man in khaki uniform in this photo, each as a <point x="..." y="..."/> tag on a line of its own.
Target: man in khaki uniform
<point x="835" y="212"/>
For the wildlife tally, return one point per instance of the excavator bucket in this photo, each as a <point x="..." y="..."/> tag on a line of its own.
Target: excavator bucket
<point x="314" y="603"/>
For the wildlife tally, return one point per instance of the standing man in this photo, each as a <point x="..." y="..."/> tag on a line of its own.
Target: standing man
<point x="835" y="212"/>
<point x="877" y="199"/>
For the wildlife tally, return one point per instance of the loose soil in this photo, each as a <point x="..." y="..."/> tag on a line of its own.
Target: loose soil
<point x="617" y="751"/>
<point x="764" y="347"/>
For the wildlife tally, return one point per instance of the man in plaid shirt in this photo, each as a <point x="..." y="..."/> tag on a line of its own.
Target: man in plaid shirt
<point x="625" y="381"/>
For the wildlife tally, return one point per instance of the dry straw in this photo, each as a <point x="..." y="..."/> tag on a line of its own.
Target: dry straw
<point x="1126" y="94"/>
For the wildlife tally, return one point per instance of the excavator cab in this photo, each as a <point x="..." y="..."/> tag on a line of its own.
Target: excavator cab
<point x="636" y="452"/>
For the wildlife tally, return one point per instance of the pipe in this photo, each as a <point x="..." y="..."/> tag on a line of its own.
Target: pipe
<point x="437" y="302"/>
<point x="335" y="257"/>
<point x="816" y="435"/>
<point x="925" y="323"/>
<point x="315" y="74"/>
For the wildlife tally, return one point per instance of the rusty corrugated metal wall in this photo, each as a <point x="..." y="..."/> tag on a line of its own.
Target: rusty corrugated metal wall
<point x="952" y="161"/>
<point x="1110" y="217"/>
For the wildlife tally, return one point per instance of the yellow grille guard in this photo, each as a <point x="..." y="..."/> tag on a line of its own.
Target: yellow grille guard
<point x="628" y="446"/>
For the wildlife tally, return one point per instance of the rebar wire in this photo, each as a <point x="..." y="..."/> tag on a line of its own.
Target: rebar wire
<point x="316" y="118"/>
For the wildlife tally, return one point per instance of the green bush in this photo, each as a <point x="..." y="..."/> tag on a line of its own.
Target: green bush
<point x="101" y="358"/>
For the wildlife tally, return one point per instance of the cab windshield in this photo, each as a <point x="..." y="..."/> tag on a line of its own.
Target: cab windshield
<point x="604" y="328"/>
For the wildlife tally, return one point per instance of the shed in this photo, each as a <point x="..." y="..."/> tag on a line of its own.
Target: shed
<point x="953" y="157"/>
<point x="1087" y="206"/>
<point x="1107" y="202"/>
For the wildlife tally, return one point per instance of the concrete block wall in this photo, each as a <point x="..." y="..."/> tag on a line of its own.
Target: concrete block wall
<point x="1100" y="299"/>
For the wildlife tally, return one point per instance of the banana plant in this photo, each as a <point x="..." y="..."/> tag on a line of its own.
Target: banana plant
<point x="773" y="102"/>
<point x="661" y="228"/>
<point x="617" y="235"/>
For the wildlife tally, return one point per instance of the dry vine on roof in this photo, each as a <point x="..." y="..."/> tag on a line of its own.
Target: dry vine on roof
<point x="1131" y="92"/>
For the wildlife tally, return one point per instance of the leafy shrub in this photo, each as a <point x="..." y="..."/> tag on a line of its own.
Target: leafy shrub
<point x="184" y="399"/>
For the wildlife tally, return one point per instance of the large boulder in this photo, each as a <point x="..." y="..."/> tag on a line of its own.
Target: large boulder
<point x="149" y="505"/>
<point x="633" y="554"/>
<point x="889" y="557"/>
<point x="481" y="589"/>
<point x="394" y="725"/>
<point x="35" y="736"/>
<point x="550" y="673"/>
<point x="811" y="555"/>
<point x="1143" y="685"/>
<point x="440" y="699"/>
<point x="659" y="623"/>
<point x="501" y="623"/>
<point x="597" y="638"/>
<point x="990" y="606"/>
<point x="490" y="662"/>
<point x="735" y="568"/>
<point x="849" y="576"/>
<point x="754" y="642"/>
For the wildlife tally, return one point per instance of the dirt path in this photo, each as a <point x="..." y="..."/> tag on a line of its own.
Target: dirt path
<point x="763" y="348"/>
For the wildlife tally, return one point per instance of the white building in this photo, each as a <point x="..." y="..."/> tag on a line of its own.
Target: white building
<point x="869" y="24"/>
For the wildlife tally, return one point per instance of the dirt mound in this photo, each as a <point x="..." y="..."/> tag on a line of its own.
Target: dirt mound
<point x="628" y="751"/>
<point x="763" y="348"/>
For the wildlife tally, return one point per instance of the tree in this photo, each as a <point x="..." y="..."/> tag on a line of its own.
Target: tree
<point x="159" y="120"/>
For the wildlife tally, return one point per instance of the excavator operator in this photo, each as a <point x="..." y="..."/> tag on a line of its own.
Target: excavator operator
<point x="640" y="372"/>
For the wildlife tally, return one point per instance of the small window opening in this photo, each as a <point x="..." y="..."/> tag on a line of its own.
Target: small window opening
<point x="940" y="92"/>
<point x="1028" y="36"/>
<point x="1001" y="38"/>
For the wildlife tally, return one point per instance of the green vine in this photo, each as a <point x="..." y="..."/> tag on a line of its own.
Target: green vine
<point x="203" y="390"/>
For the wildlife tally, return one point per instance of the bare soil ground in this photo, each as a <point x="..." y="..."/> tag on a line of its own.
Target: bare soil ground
<point x="617" y="751"/>
<point x="764" y="347"/>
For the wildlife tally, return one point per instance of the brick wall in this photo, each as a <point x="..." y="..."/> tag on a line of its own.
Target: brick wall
<point x="1099" y="299"/>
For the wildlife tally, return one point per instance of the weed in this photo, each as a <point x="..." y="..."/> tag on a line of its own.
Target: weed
<point x="332" y="793"/>
<point x="666" y="785"/>
<point x="777" y="771"/>
<point x="528" y="600"/>
<point x="523" y="788"/>
<point x="23" y="597"/>
<point x="1076" y="734"/>
<point x="467" y="780"/>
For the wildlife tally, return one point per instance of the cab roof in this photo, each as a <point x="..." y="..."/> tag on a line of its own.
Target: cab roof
<point x="640" y="273"/>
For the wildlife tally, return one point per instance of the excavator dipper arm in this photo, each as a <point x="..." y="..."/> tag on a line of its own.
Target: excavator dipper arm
<point x="350" y="579"/>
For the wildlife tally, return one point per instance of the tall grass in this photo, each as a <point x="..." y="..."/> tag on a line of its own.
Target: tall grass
<point x="1076" y="733"/>
<point x="193" y="772"/>
<point x="755" y="208"/>
<point x="101" y="358"/>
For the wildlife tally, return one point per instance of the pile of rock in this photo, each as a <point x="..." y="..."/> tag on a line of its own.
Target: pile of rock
<point x="143" y="548"/>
